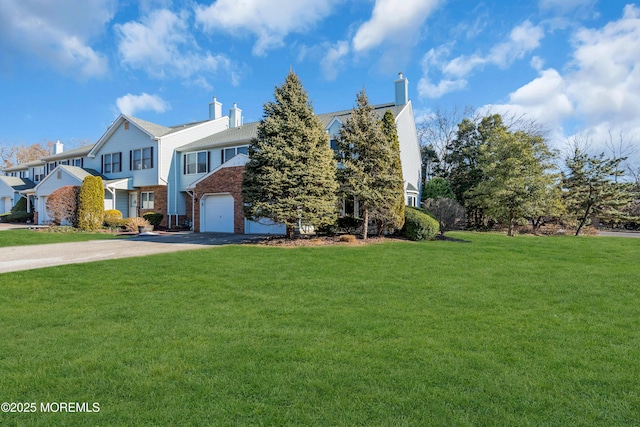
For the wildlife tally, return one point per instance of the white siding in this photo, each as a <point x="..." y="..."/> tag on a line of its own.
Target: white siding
<point x="171" y="142"/>
<point x="409" y="147"/>
<point x="54" y="181"/>
<point x="123" y="141"/>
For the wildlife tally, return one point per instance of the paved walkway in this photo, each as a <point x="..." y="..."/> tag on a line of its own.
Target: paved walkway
<point x="18" y="258"/>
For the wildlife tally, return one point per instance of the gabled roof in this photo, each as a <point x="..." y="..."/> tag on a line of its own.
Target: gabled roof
<point x="248" y="131"/>
<point x="154" y="130"/>
<point x="78" y="172"/>
<point x="76" y="152"/>
<point x="18" y="184"/>
<point x="24" y="166"/>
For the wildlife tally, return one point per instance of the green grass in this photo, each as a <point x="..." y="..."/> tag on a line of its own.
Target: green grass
<point x="34" y="237"/>
<point x="499" y="331"/>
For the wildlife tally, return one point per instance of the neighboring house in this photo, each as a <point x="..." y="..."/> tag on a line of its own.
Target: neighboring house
<point x="206" y="188"/>
<point x="64" y="175"/>
<point x="10" y="188"/>
<point x="191" y="173"/>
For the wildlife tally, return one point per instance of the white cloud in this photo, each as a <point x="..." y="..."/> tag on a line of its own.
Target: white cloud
<point x="57" y="32"/>
<point x="270" y="21"/>
<point x="599" y="92"/>
<point x="334" y="58"/>
<point x="130" y="104"/>
<point x="161" y="45"/>
<point x="523" y="39"/>
<point x="393" y="20"/>
<point x="430" y="90"/>
<point x="544" y="100"/>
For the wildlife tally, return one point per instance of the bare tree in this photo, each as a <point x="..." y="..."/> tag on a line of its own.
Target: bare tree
<point x="7" y="154"/>
<point x="438" y="129"/>
<point x="32" y="152"/>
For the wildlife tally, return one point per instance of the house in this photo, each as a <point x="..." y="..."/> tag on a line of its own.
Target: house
<point x="191" y="173"/>
<point x="209" y="185"/>
<point x="10" y="188"/>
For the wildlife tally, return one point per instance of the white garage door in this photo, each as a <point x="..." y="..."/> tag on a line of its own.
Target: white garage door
<point x="216" y="213"/>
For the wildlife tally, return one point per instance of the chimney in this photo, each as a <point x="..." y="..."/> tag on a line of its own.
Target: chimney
<point x="235" y="116"/>
<point x="402" y="90"/>
<point x="215" y="109"/>
<point x="58" y="147"/>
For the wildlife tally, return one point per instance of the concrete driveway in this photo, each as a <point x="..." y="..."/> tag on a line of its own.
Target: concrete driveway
<point x="18" y="258"/>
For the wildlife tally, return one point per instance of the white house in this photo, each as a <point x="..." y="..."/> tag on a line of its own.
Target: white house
<point x="191" y="173"/>
<point x="203" y="179"/>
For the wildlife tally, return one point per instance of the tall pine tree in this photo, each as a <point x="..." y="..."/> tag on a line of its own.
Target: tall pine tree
<point x="392" y="211"/>
<point x="368" y="164"/>
<point x="291" y="174"/>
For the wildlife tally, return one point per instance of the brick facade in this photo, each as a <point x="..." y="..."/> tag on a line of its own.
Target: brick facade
<point x="159" y="201"/>
<point x="225" y="180"/>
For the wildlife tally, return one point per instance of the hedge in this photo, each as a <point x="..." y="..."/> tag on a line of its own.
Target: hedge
<point x="419" y="225"/>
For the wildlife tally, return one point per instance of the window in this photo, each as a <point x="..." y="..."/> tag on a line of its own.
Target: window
<point x="141" y="159"/>
<point x="77" y="162"/>
<point x="51" y="166"/>
<point x="229" y="153"/>
<point x="38" y="174"/>
<point x="195" y="163"/>
<point x="64" y="162"/>
<point x="412" y="200"/>
<point x="112" y="163"/>
<point x="334" y="145"/>
<point x="146" y="200"/>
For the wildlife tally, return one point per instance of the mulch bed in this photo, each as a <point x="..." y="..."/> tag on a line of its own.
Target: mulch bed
<point x="325" y="241"/>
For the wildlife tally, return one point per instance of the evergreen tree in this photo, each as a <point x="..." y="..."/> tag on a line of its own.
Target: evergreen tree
<point x="592" y="189"/>
<point x="368" y="170"/>
<point x="290" y="177"/>
<point x="515" y="167"/>
<point x="437" y="187"/>
<point x="91" y="204"/>
<point x="390" y="215"/>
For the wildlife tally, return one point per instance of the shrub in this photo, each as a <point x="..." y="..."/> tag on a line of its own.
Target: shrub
<point x="18" y="213"/>
<point x="348" y="238"/>
<point x="91" y="204"/>
<point x="112" y="214"/>
<point x="132" y="224"/>
<point x="154" y="218"/>
<point x="349" y="225"/>
<point x="419" y="225"/>
<point x="17" y="216"/>
<point x="62" y="205"/>
<point x="113" y="219"/>
<point x="448" y="212"/>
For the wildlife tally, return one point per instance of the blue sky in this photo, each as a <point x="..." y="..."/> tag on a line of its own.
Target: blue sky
<point x="69" y="67"/>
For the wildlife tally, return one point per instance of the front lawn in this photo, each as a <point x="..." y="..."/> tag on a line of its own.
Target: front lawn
<point x="498" y="331"/>
<point x="22" y="237"/>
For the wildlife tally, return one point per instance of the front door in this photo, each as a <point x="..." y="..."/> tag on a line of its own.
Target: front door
<point x="133" y="205"/>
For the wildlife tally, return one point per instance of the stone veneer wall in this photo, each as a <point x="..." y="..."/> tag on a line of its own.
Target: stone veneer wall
<point x="226" y="180"/>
